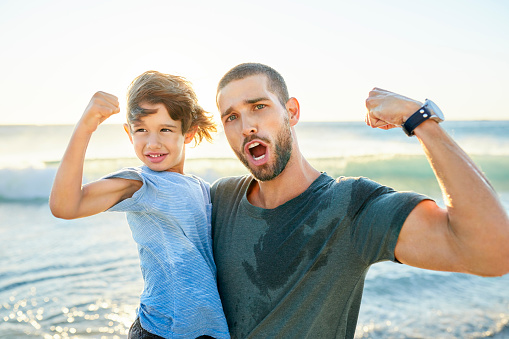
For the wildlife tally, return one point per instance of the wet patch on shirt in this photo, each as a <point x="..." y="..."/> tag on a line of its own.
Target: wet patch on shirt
<point x="300" y="240"/>
<point x="289" y="242"/>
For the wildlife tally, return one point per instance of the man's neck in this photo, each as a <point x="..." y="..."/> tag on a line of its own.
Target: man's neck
<point x="297" y="176"/>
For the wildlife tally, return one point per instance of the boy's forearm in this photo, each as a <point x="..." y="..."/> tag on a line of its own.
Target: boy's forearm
<point x="67" y="188"/>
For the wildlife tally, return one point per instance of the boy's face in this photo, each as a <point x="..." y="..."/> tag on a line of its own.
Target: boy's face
<point x="256" y="125"/>
<point x="158" y="140"/>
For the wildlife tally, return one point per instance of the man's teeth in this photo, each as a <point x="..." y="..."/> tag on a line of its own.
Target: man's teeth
<point x="253" y="145"/>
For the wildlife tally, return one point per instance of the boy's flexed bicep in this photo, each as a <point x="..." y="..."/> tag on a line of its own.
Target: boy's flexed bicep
<point x="95" y="197"/>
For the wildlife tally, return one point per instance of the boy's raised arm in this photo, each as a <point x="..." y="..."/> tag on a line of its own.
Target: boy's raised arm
<point x="68" y="199"/>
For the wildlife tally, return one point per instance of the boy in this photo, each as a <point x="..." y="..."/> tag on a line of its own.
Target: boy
<point x="169" y="213"/>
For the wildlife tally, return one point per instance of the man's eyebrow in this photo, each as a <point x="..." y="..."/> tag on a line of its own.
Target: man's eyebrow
<point x="254" y="101"/>
<point x="247" y="101"/>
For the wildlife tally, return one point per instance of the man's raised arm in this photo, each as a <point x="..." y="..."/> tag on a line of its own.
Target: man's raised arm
<point x="471" y="235"/>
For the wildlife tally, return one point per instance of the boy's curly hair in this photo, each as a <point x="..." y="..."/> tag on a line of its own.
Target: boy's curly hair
<point x="177" y="95"/>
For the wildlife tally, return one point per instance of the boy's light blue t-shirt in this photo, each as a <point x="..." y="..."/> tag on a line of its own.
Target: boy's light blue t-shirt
<point x="170" y="220"/>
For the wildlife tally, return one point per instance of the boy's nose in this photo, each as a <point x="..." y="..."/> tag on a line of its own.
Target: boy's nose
<point x="153" y="141"/>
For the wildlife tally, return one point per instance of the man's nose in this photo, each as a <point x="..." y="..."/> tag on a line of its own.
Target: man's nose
<point x="249" y="126"/>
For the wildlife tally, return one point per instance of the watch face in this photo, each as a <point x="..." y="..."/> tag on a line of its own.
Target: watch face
<point x="437" y="113"/>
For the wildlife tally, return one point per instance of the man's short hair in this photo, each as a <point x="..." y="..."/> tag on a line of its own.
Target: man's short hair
<point x="276" y="83"/>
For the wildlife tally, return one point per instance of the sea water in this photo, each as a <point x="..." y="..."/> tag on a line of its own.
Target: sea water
<point x="81" y="278"/>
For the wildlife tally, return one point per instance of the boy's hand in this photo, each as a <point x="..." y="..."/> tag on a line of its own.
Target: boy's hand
<point x="387" y="110"/>
<point x="101" y="107"/>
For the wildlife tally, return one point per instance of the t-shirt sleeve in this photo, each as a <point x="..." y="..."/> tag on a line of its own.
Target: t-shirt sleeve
<point x="378" y="219"/>
<point x="205" y="187"/>
<point x="140" y="199"/>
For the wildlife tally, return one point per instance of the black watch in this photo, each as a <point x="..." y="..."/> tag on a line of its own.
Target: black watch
<point x="428" y="111"/>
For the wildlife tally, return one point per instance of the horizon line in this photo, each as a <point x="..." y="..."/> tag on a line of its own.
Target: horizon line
<point x="302" y="121"/>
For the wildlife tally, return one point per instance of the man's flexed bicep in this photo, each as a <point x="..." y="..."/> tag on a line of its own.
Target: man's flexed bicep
<point x="427" y="241"/>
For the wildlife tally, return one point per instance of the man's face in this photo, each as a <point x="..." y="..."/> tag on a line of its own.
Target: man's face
<point x="256" y="125"/>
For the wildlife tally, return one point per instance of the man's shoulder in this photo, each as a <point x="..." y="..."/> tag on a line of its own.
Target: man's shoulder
<point x="354" y="182"/>
<point x="349" y="188"/>
<point x="231" y="181"/>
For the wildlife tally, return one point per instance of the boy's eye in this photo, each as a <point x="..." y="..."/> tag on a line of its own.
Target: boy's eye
<point x="260" y="106"/>
<point x="231" y="118"/>
<point x="166" y="130"/>
<point x="139" y="130"/>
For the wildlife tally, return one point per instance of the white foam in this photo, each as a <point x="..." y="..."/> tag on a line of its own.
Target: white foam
<point x="26" y="183"/>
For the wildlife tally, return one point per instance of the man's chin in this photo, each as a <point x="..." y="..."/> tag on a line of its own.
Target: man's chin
<point x="263" y="177"/>
<point x="263" y="172"/>
<point x="266" y="174"/>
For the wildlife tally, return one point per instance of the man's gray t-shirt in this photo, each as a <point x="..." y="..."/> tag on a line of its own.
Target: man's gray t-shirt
<point x="297" y="271"/>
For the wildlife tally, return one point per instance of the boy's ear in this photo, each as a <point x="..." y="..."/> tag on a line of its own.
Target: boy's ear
<point x="127" y="129"/>
<point x="189" y="136"/>
<point x="293" y="109"/>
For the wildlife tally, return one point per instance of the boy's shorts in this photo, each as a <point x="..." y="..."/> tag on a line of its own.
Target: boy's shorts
<point x="138" y="332"/>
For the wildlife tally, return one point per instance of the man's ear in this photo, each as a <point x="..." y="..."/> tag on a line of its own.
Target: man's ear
<point x="189" y="136"/>
<point x="293" y="109"/>
<point x="127" y="129"/>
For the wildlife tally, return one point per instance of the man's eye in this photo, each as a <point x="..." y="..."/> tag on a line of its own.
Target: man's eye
<point x="260" y="106"/>
<point x="231" y="118"/>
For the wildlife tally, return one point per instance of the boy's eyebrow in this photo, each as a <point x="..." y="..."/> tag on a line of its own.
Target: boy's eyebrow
<point x="247" y="101"/>
<point x="138" y="123"/>
<point x="169" y="125"/>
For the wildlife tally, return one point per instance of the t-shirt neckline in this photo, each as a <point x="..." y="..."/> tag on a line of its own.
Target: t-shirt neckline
<point x="255" y="210"/>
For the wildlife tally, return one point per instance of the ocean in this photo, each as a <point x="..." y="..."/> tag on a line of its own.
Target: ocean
<point x="81" y="278"/>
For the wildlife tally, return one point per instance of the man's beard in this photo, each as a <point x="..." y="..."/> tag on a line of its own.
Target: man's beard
<point x="283" y="151"/>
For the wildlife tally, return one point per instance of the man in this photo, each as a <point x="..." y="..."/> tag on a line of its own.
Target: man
<point x="292" y="245"/>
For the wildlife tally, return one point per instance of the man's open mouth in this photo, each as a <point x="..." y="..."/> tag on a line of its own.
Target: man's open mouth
<point x="257" y="151"/>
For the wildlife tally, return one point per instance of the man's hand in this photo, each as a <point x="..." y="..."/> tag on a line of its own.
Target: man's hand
<point x="387" y="110"/>
<point x="101" y="107"/>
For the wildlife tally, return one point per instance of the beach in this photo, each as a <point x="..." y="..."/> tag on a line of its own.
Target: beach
<point x="81" y="278"/>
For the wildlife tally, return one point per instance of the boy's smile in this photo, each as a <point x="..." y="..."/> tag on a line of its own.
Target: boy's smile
<point x="158" y="140"/>
<point x="156" y="157"/>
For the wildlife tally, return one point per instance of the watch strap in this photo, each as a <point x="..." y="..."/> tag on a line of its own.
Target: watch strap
<point x="415" y="120"/>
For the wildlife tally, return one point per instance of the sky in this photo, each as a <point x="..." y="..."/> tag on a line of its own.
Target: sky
<point x="54" y="55"/>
